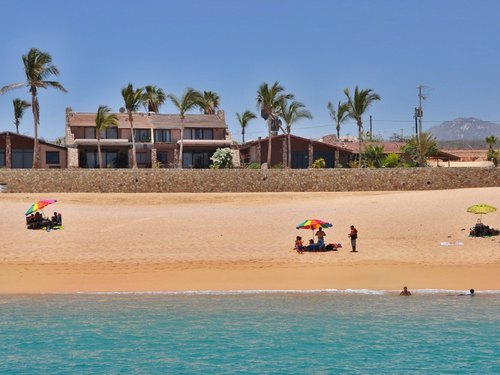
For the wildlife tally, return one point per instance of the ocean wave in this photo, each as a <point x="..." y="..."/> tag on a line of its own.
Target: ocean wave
<point x="288" y="291"/>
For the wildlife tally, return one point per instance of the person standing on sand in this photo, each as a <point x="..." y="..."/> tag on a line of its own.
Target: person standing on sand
<point x="405" y="292"/>
<point x="321" y="237"/>
<point x="354" y="237"/>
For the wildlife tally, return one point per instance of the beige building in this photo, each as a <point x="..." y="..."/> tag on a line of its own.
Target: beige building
<point x="157" y="139"/>
<point x="16" y="151"/>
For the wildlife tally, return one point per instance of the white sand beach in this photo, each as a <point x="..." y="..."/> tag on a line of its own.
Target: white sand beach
<point x="175" y="242"/>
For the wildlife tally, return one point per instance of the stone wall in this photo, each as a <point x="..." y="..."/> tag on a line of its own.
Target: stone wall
<point x="243" y="180"/>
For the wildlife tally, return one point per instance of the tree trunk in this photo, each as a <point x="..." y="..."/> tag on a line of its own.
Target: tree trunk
<point x="36" y="114"/>
<point x="134" y="156"/>
<point x="338" y="131"/>
<point x="243" y="136"/>
<point x="17" y="126"/>
<point x="269" y="122"/>
<point x="360" y="141"/>
<point x="181" y="147"/>
<point x="289" y="151"/>
<point x="99" y="151"/>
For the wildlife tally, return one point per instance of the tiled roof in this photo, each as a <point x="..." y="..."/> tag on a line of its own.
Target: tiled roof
<point x="145" y="120"/>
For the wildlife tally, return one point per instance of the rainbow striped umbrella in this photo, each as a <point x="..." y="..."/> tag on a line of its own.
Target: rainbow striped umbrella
<point x="313" y="224"/>
<point x="40" y="205"/>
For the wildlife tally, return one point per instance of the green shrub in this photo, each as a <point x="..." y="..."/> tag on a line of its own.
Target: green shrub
<point x="391" y="161"/>
<point x="319" y="163"/>
<point x="278" y="166"/>
<point x="253" y="165"/>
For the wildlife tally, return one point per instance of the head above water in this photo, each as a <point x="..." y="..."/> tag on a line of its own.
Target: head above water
<point x="471" y="291"/>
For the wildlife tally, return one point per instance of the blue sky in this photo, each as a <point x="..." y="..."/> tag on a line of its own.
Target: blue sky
<point x="313" y="48"/>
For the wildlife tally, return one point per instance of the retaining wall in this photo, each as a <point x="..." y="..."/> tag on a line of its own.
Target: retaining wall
<point x="244" y="180"/>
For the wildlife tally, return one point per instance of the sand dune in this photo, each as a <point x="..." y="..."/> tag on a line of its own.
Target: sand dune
<point x="244" y="241"/>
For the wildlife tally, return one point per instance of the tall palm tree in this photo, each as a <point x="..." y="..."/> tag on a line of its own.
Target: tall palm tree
<point x="103" y="120"/>
<point x="357" y="105"/>
<point x="37" y="67"/>
<point x="338" y="115"/>
<point x="491" y="141"/>
<point x="211" y="101"/>
<point x="19" y="107"/>
<point x="190" y="100"/>
<point x="292" y="112"/>
<point x="244" y="118"/>
<point x="133" y="99"/>
<point x="269" y="102"/>
<point x="154" y="98"/>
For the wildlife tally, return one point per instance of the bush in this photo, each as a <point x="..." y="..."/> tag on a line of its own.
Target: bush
<point x="222" y="159"/>
<point x="278" y="166"/>
<point x="253" y="166"/>
<point x="391" y="161"/>
<point x="319" y="163"/>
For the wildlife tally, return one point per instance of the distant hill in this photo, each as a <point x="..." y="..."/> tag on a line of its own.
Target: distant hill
<point x="462" y="129"/>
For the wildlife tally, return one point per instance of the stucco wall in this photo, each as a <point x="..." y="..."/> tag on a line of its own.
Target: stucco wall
<point x="237" y="180"/>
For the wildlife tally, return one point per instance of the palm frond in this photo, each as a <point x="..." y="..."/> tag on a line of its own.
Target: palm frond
<point x="12" y="86"/>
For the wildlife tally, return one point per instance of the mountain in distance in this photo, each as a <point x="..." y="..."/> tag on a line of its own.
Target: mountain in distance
<point x="469" y="128"/>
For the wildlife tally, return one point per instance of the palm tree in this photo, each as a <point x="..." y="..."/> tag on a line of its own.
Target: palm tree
<point x="154" y="98"/>
<point x="103" y="120"/>
<point x="419" y="147"/>
<point x="292" y="112"/>
<point x="37" y="67"/>
<point x="491" y="141"/>
<point x="19" y="107"/>
<point x="244" y="118"/>
<point x="338" y="115"/>
<point x="269" y="102"/>
<point x="211" y="101"/>
<point x="191" y="99"/>
<point x="133" y="100"/>
<point x="357" y="106"/>
<point x="374" y="156"/>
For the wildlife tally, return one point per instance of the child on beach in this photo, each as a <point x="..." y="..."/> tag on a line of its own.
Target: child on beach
<point x="298" y="245"/>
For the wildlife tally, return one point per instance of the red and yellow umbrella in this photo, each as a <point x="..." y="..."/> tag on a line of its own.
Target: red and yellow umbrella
<point x="39" y="205"/>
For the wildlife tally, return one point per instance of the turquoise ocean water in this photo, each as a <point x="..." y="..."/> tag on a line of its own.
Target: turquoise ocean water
<point x="252" y="333"/>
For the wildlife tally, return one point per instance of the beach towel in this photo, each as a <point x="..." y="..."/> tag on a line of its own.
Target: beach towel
<point x="457" y="243"/>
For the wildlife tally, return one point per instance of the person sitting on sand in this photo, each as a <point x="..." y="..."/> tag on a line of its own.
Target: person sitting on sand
<point x="38" y="220"/>
<point x="321" y="238"/>
<point x="405" y="292"/>
<point x="312" y="246"/>
<point x="298" y="245"/>
<point x="56" y="219"/>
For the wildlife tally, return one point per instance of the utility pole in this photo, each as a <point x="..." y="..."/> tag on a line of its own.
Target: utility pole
<point x="419" y="113"/>
<point x="371" y="130"/>
<point x="420" y="110"/>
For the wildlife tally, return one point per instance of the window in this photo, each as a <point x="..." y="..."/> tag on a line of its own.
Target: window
<point x="22" y="158"/>
<point x="2" y="158"/>
<point x="328" y="156"/>
<point x="142" y="135"/>
<point x="109" y="159"/>
<point x="162" y="135"/>
<point x="196" y="159"/>
<point x="199" y="133"/>
<point x="91" y="159"/>
<point x="110" y="133"/>
<point x="52" y="157"/>
<point x="300" y="159"/>
<point x="89" y="133"/>
<point x="162" y="157"/>
<point x="142" y="158"/>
